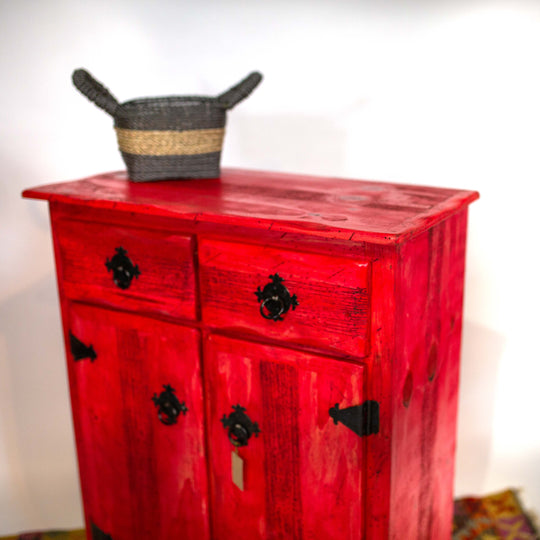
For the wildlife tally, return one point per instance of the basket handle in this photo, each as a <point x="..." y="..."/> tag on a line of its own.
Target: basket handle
<point x="240" y="91"/>
<point x="94" y="91"/>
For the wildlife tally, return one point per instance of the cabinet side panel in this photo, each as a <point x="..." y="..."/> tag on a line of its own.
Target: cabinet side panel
<point x="429" y="296"/>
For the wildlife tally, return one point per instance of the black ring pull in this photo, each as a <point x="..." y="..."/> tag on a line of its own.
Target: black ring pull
<point x="168" y="405"/>
<point x="275" y="299"/>
<point x="122" y="268"/>
<point x="240" y="427"/>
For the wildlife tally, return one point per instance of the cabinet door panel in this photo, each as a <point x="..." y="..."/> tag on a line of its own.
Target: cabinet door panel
<point x="140" y="477"/>
<point x="302" y="472"/>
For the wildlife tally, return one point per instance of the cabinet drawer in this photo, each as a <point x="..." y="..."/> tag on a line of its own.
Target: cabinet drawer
<point x="129" y="268"/>
<point x="313" y="300"/>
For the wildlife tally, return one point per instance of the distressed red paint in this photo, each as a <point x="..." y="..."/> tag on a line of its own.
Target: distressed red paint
<point x="378" y="271"/>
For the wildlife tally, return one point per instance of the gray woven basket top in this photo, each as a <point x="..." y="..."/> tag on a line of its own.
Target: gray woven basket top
<point x="171" y="101"/>
<point x="103" y="98"/>
<point x="170" y="113"/>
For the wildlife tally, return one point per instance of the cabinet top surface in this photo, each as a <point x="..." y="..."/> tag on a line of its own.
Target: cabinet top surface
<point x="331" y="207"/>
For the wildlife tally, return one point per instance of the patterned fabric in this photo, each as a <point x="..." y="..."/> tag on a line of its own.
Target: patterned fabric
<point x="50" y="535"/>
<point x="495" y="517"/>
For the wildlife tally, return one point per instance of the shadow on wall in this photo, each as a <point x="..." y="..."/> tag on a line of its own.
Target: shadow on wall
<point x="36" y="433"/>
<point x="481" y="355"/>
<point x="291" y="142"/>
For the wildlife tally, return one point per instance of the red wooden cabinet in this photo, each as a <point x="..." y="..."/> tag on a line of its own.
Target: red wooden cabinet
<point x="262" y="356"/>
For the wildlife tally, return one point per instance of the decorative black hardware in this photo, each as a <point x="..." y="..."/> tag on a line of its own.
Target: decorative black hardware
<point x="98" y="534"/>
<point x="122" y="268"/>
<point x="241" y="428"/>
<point x="275" y="299"/>
<point x="79" y="350"/>
<point x="362" y="419"/>
<point x="169" y="408"/>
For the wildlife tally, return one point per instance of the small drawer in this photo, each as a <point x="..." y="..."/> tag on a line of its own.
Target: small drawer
<point x="133" y="269"/>
<point x="312" y="300"/>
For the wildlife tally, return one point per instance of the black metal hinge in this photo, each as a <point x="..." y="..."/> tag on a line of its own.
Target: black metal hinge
<point x="79" y="350"/>
<point x="362" y="419"/>
<point x="98" y="534"/>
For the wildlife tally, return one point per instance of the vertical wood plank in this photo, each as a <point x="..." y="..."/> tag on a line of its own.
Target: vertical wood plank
<point x="280" y="387"/>
<point x="379" y="370"/>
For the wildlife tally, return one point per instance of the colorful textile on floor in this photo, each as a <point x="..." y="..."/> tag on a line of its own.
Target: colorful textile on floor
<point x="495" y="517"/>
<point x="50" y="535"/>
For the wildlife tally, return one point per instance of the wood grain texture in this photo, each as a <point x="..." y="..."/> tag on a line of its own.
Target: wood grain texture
<point x="140" y="478"/>
<point x="334" y="208"/>
<point x="378" y="372"/>
<point x="303" y="473"/>
<point x="166" y="283"/>
<point x="333" y="295"/>
<point x="429" y="294"/>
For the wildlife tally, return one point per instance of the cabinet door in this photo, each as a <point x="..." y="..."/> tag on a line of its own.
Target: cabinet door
<point x="302" y="472"/>
<point x="143" y="475"/>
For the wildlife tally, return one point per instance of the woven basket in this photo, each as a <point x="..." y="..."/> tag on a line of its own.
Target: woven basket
<point x="168" y="137"/>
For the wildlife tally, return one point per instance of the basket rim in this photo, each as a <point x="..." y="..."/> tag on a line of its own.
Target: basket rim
<point x="168" y="101"/>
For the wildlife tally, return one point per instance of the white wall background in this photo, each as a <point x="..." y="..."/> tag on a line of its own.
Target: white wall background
<point x="443" y="93"/>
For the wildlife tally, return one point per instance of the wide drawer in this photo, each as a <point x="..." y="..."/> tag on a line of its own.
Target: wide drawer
<point x="309" y="299"/>
<point x="125" y="267"/>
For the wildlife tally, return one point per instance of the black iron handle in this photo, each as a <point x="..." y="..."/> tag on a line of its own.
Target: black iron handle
<point x="122" y="268"/>
<point x="240" y="427"/>
<point x="275" y="299"/>
<point x="168" y="406"/>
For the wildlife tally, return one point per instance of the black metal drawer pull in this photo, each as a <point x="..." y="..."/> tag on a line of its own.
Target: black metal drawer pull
<point x="240" y="427"/>
<point x="275" y="299"/>
<point x="79" y="350"/>
<point x="168" y="405"/>
<point x="122" y="268"/>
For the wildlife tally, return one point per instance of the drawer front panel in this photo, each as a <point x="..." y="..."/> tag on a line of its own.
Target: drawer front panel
<point x="143" y="472"/>
<point x="128" y="268"/>
<point x="325" y="302"/>
<point x="300" y="474"/>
